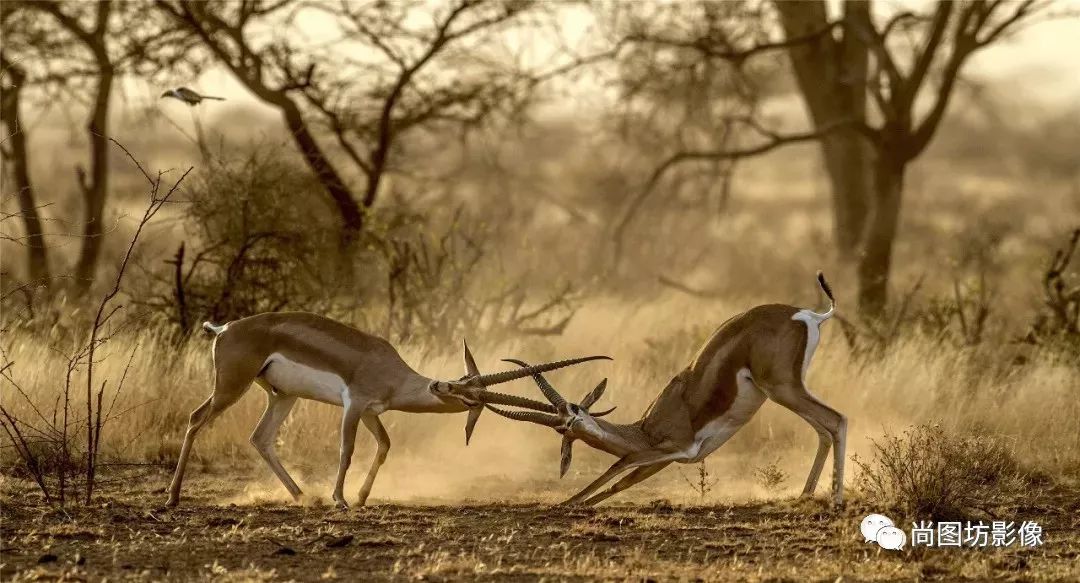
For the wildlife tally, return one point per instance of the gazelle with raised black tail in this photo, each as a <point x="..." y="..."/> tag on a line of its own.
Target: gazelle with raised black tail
<point x="760" y="354"/>
<point x="295" y="355"/>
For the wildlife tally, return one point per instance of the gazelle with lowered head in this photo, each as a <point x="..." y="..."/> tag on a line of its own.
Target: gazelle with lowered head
<point x="760" y="354"/>
<point x="295" y="355"/>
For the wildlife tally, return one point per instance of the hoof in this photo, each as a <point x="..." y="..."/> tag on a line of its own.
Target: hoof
<point x="172" y="503"/>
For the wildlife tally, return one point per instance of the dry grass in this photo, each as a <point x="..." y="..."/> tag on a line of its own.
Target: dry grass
<point x="917" y="381"/>
<point x="926" y="472"/>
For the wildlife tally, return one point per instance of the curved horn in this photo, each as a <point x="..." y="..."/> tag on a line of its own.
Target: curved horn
<point x="532" y="416"/>
<point x="566" y="454"/>
<point x="514" y="401"/>
<point x="602" y="413"/>
<point x="545" y="387"/>
<point x="594" y="395"/>
<point x="510" y="375"/>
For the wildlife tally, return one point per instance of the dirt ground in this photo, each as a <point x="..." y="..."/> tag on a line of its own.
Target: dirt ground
<point x="130" y="537"/>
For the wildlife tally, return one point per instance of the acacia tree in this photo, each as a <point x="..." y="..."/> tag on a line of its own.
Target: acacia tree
<point x="75" y="52"/>
<point x="391" y="69"/>
<point x="871" y="160"/>
<point x="16" y="153"/>
<point x="27" y="38"/>
<point x="863" y="83"/>
<point x="90" y="28"/>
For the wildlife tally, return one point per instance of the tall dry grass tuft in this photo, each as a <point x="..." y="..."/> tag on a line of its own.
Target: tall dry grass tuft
<point x="928" y="472"/>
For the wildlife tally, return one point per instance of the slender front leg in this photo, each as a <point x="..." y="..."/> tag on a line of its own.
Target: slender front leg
<point x="628" y="480"/>
<point x="633" y="460"/>
<point x="349" y="420"/>
<point x="277" y="409"/>
<point x="383" y="440"/>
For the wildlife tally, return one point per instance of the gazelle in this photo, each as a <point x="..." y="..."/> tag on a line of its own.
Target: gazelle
<point x="761" y="354"/>
<point x="295" y="355"/>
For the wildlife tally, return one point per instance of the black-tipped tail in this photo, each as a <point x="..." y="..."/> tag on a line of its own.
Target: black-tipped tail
<point x="211" y="328"/>
<point x="825" y="288"/>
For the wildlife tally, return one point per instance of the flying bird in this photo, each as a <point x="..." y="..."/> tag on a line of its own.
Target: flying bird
<point x="188" y="96"/>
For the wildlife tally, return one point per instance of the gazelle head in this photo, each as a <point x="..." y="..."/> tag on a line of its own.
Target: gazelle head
<point x="471" y="389"/>
<point x="572" y="420"/>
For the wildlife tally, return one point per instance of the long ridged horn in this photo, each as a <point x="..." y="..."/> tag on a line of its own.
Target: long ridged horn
<point x="510" y="375"/>
<point x="514" y="401"/>
<point x="545" y="387"/>
<point x="532" y="416"/>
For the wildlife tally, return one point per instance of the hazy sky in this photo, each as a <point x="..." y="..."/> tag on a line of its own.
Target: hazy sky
<point x="1038" y="64"/>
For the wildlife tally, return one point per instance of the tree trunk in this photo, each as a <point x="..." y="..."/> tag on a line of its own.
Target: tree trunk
<point x="36" y="250"/>
<point x="880" y="234"/>
<point x="351" y="216"/>
<point x="831" y="74"/>
<point x="95" y="190"/>
<point x="849" y="167"/>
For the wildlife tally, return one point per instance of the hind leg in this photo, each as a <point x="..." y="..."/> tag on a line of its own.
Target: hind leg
<point x="227" y="390"/>
<point x="831" y="427"/>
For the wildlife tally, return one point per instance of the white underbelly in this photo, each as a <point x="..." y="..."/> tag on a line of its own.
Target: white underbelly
<point x="715" y="433"/>
<point x="299" y="380"/>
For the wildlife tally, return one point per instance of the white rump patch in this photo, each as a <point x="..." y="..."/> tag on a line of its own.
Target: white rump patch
<point x="299" y="380"/>
<point x="813" y="335"/>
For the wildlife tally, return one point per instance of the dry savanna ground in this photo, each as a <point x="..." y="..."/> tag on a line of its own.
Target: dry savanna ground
<point x="127" y="536"/>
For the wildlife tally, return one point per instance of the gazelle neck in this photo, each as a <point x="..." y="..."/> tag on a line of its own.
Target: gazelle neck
<point x="618" y="439"/>
<point x="414" y="396"/>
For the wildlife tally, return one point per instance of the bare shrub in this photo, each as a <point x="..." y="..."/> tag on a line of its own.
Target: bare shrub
<point x="703" y="483"/>
<point x="961" y="315"/>
<point x="254" y="243"/>
<point x="769" y="476"/>
<point x="48" y="439"/>
<point x="1057" y="322"/>
<point x="929" y="473"/>
<point x="441" y="283"/>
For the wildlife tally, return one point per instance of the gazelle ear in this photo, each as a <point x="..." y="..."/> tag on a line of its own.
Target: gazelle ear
<point x="470" y="423"/>
<point x="471" y="371"/>
<point x="470" y="363"/>
<point x="567" y="453"/>
<point x="594" y="395"/>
